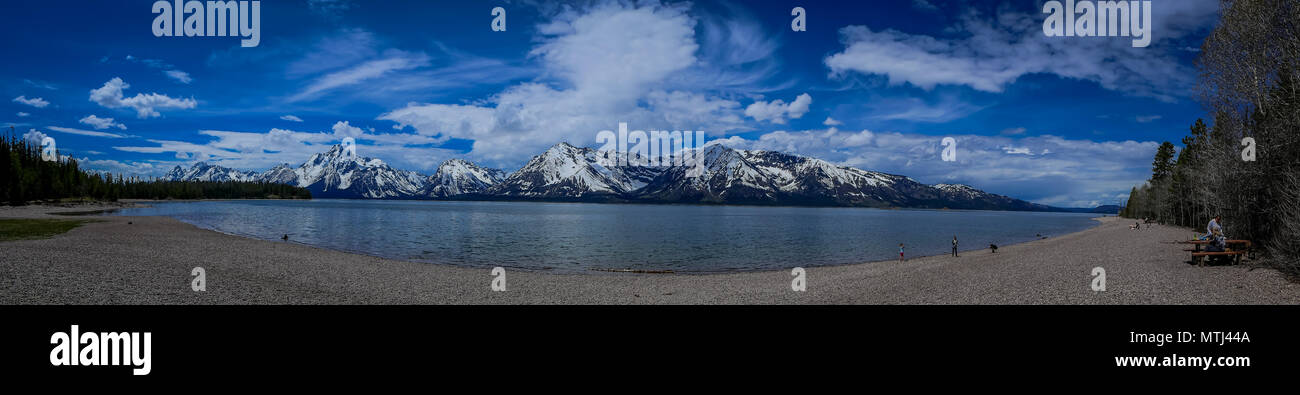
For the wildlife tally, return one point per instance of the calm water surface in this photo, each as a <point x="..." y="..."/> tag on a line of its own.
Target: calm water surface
<point x="580" y="237"/>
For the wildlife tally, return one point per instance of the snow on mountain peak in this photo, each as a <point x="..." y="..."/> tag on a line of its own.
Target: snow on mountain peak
<point x="567" y="172"/>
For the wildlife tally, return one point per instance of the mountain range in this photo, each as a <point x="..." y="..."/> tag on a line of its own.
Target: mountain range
<point x="578" y="174"/>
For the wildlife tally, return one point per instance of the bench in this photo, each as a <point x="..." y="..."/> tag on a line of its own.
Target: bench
<point x="1241" y="244"/>
<point x="1236" y="248"/>
<point x="1198" y="258"/>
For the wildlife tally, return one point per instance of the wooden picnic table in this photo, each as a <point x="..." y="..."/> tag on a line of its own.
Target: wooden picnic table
<point x="1198" y="243"/>
<point x="1198" y="255"/>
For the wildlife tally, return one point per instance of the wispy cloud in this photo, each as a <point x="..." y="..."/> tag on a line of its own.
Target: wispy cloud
<point x="179" y="76"/>
<point x="87" y="132"/>
<point x="259" y="151"/>
<point x="34" y="102"/>
<point x="168" y="69"/>
<point x="1012" y="132"/>
<point x="40" y="84"/>
<point x="914" y="109"/>
<point x="330" y="9"/>
<point x="396" y="61"/>
<point x="989" y="53"/>
<point x="290" y="118"/>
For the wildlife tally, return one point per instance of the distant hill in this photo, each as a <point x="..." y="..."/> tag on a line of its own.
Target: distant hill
<point x="1106" y="209"/>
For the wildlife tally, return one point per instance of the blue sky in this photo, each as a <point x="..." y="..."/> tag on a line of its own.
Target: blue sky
<point x="1067" y="121"/>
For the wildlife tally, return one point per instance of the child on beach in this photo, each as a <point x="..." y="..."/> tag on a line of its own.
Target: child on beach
<point x="900" y="252"/>
<point x="954" y="246"/>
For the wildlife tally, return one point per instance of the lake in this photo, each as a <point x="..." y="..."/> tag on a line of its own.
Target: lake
<point x="577" y="237"/>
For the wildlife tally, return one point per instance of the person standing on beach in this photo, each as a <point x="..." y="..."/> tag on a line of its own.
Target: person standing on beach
<point x="954" y="246"/>
<point x="900" y="252"/>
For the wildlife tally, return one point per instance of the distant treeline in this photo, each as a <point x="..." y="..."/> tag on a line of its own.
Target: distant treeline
<point x="1246" y="166"/>
<point x="26" y="177"/>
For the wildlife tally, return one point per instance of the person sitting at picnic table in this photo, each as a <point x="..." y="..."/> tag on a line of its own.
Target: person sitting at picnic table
<point x="1214" y="233"/>
<point x="1214" y="227"/>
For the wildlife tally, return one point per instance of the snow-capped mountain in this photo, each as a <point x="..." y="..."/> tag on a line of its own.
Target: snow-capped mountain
<point x="460" y="177"/>
<point x="961" y="196"/>
<point x="202" y="171"/>
<point x="336" y="174"/>
<point x="565" y="172"/>
<point x="769" y="177"/>
<point x="727" y="177"/>
<point x="568" y="173"/>
<point x="281" y="173"/>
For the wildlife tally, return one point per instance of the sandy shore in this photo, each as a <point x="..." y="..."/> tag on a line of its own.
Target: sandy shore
<point x="149" y="262"/>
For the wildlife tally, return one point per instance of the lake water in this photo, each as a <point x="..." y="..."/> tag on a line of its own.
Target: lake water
<point x="573" y="237"/>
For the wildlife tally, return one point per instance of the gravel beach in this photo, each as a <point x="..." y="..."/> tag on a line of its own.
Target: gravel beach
<point x="149" y="261"/>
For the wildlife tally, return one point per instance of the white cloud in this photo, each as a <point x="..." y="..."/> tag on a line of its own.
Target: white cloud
<point x="260" y="151"/>
<point x="127" y="168"/>
<point x="832" y="122"/>
<point x="146" y="106"/>
<point x="179" y="76"/>
<point x="34" y="137"/>
<point x="776" y="111"/>
<point x="640" y="46"/>
<point x="86" y="132"/>
<point x="1148" y="118"/>
<point x="989" y="53"/>
<point x="344" y="129"/>
<point x="22" y="114"/>
<point x="101" y="123"/>
<point x="610" y="63"/>
<point x="291" y="118"/>
<point x="34" y="102"/>
<point x="1017" y="150"/>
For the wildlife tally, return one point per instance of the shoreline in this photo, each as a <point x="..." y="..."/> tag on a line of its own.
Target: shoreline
<point x="620" y="271"/>
<point x="149" y="262"/>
